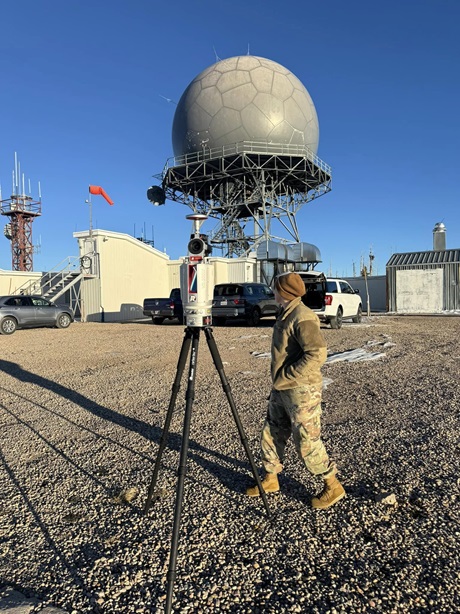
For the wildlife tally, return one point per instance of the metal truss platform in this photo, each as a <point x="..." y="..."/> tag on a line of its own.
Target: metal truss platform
<point x="244" y="181"/>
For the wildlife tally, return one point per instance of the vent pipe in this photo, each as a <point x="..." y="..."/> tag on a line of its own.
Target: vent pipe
<point x="439" y="237"/>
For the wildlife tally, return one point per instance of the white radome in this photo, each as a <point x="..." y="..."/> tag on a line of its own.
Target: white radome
<point x="245" y="98"/>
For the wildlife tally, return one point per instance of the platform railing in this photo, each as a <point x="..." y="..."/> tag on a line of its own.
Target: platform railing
<point x="253" y="147"/>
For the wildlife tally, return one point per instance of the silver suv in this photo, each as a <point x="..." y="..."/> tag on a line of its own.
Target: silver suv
<point x="22" y="311"/>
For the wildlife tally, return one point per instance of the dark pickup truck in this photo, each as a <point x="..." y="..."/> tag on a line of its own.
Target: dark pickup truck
<point x="161" y="309"/>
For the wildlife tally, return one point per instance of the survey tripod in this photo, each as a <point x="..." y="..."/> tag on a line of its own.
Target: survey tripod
<point x="191" y="338"/>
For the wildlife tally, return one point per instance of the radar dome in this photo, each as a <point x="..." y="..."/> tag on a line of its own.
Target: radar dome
<point x="244" y="98"/>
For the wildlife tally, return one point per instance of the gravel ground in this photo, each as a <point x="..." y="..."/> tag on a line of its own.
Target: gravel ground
<point x="81" y="415"/>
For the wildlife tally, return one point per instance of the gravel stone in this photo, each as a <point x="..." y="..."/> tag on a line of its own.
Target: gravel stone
<point x="81" y="418"/>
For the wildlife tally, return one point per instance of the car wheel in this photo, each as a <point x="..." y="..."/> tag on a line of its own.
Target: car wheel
<point x="358" y="317"/>
<point x="8" y="326"/>
<point x="158" y="320"/>
<point x="254" y="318"/>
<point x="219" y="321"/>
<point x="64" y="320"/>
<point x="337" y="321"/>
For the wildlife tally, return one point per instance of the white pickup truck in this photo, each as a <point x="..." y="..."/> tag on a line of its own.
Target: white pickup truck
<point x="333" y="300"/>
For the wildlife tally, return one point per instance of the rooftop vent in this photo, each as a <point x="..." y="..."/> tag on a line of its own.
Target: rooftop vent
<point x="439" y="237"/>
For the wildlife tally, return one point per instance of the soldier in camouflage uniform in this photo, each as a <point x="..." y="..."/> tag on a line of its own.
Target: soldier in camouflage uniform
<point x="298" y="353"/>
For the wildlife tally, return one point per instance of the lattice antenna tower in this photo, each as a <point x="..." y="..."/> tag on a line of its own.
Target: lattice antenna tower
<point x="21" y="209"/>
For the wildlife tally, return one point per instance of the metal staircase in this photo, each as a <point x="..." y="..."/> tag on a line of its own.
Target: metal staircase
<point x="58" y="285"/>
<point x="65" y="277"/>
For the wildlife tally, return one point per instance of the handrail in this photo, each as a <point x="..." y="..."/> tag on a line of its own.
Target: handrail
<point x="72" y="262"/>
<point x="256" y="147"/>
<point x="35" y="286"/>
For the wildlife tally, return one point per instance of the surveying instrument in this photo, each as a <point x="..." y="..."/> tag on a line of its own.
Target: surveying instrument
<point x="197" y="289"/>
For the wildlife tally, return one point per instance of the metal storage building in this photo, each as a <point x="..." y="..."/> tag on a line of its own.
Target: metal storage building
<point x="424" y="282"/>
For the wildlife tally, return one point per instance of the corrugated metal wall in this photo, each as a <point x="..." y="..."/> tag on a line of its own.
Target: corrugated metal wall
<point x="451" y="279"/>
<point x="234" y="270"/>
<point x="377" y="288"/>
<point x="90" y="301"/>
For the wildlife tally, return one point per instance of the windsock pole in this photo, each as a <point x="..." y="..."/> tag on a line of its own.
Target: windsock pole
<point x="90" y="203"/>
<point x="96" y="189"/>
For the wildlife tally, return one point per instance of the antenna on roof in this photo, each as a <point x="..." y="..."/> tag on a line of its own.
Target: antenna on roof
<point x="248" y="50"/>
<point x="15" y="172"/>
<point x="215" y="53"/>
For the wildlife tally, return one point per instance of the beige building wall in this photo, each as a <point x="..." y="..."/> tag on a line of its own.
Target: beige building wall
<point x="225" y="270"/>
<point x="120" y="271"/>
<point x="234" y="269"/>
<point x="124" y="270"/>
<point x="12" y="281"/>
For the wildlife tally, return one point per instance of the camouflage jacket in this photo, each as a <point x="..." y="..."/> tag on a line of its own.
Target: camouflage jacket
<point x="298" y="348"/>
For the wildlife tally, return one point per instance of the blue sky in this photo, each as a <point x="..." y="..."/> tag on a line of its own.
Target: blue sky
<point x="82" y="103"/>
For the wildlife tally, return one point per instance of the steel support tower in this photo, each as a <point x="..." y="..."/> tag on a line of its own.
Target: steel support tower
<point x="247" y="187"/>
<point x="21" y="210"/>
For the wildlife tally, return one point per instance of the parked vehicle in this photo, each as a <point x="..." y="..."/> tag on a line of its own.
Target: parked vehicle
<point x="333" y="300"/>
<point x="161" y="309"/>
<point x="22" y="311"/>
<point x="249" y="301"/>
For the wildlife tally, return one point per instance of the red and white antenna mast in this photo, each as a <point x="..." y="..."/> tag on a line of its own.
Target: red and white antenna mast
<point x="21" y="210"/>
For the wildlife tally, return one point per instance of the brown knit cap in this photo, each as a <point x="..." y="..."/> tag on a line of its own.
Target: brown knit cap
<point x="289" y="286"/>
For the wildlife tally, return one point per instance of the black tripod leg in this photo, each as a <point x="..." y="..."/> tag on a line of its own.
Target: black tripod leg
<point x="189" y="397"/>
<point x="226" y="386"/>
<point x="164" y="437"/>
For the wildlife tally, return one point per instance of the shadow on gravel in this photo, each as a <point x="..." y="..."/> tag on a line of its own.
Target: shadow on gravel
<point x="58" y="553"/>
<point x="228" y="476"/>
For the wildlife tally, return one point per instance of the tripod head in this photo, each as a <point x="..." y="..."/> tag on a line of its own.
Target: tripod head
<point x="197" y="277"/>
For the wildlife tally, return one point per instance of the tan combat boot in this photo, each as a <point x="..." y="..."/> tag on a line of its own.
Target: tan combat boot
<point x="332" y="492"/>
<point x="269" y="484"/>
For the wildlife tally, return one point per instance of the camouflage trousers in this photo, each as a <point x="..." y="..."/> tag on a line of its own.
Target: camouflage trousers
<point x="295" y="412"/>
